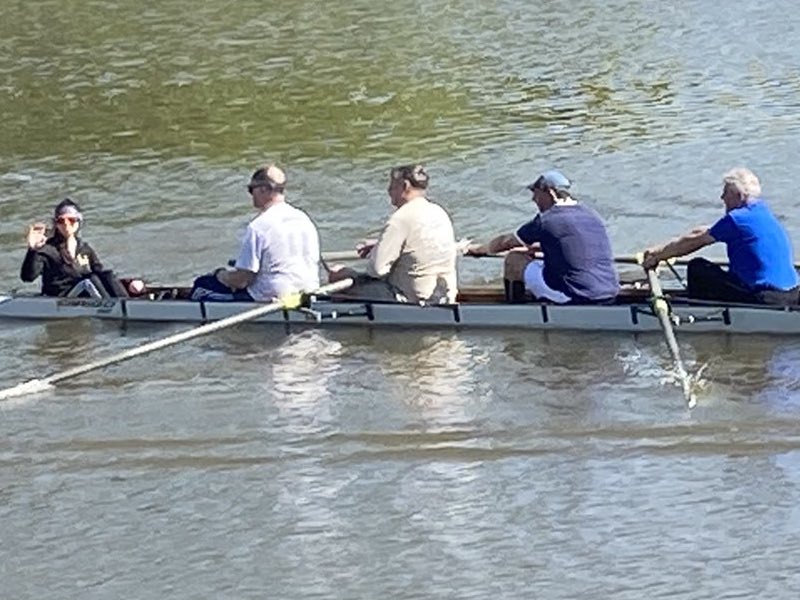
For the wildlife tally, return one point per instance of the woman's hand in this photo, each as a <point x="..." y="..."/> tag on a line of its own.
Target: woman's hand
<point x="37" y="236"/>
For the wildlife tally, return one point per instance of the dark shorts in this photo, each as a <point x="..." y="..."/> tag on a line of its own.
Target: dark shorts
<point x="209" y="289"/>
<point x="708" y="281"/>
<point x="369" y="288"/>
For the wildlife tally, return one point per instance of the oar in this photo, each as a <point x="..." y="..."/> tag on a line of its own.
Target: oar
<point x="287" y="303"/>
<point x="341" y="256"/>
<point x="661" y="308"/>
<point x="352" y="255"/>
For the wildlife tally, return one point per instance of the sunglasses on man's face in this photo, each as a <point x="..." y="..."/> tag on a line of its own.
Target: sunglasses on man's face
<point x="539" y="184"/>
<point x="253" y="186"/>
<point x="67" y="220"/>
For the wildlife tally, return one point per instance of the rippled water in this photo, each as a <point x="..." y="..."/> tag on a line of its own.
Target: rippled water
<point x="392" y="463"/>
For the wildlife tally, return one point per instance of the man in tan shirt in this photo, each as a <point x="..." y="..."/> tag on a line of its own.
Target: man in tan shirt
<point x="414" y="259"/>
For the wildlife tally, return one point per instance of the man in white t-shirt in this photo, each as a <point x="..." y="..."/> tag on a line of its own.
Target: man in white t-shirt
<point x="280" y="249"/>
<point x="414" y="259"/>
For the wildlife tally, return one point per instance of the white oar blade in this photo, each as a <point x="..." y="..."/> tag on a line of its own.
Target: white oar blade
<point x="691" y="397"/>
<point x="34" y="386"/>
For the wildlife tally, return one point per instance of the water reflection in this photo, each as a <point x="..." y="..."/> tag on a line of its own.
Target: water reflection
<point x="436" y="377"/>
<point x="752" y="373"/>
<point x="299" y="376"/>
<point x="40" y="349"/>
<point x="788" y="465"/>
<point x="473" y="465"/>
<point x="780" y="386"/>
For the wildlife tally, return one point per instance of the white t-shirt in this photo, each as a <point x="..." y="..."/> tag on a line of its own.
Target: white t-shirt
<point x="416" y="252"/>
<point x="281" y="246"/>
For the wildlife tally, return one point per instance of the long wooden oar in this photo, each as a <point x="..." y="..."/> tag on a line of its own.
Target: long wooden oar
<point x="287" y="303"/>
<point x="661" y="309"/>
<point x="352" y="255"/>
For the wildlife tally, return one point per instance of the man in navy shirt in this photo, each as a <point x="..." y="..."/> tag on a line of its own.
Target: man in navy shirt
<point x="577" y="265"/>
<point x="760" y="254"/>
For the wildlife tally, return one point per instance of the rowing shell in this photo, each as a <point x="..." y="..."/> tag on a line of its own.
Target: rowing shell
<point x="477" y="309"/>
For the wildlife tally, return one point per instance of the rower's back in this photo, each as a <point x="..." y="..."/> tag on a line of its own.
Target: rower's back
<point x="282" y="248"/>
<point x="426" y="265"/>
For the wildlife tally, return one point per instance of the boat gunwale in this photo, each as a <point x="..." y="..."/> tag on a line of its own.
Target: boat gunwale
<point x="633" y="315"/>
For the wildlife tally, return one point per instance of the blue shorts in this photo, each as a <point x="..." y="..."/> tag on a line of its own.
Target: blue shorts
<point x="209" y="289"/>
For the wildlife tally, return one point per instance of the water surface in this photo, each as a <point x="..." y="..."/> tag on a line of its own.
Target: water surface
<point x="399" y="464"/>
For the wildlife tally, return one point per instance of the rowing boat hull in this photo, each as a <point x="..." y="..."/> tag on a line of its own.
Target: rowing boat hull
<point x="634" y="317"/>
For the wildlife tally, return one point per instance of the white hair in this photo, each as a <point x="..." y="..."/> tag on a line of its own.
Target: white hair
<point x="744" y="181"/>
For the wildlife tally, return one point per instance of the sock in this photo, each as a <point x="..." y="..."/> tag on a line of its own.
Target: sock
<point x="515" y="291"/>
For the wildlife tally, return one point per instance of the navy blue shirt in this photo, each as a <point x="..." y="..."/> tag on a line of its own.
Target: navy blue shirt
<point x="759" y="250"/>
<point x="577" y="252"/>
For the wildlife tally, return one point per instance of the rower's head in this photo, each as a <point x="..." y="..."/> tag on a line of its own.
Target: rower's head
<point x="267" y="185"/>
<point x="67" y="218"/>
<point x="406" y="183"/>
<point x="738" y="186"/>
<point x="550" y="188"/>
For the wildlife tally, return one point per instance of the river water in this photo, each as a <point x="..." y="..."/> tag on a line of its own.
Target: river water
<point x="392" y="464"/>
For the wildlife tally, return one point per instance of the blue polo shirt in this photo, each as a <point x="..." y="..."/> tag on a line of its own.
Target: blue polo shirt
<point x="759" y="250"/>
<point x="578" y="260"/>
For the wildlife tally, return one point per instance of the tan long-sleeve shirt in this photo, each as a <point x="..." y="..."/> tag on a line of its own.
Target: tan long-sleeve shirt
<point x="416" y="252"/>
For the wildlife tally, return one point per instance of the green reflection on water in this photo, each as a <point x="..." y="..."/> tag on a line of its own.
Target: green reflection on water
<point x="219" y="80"/>
<point x="303" y="81"/>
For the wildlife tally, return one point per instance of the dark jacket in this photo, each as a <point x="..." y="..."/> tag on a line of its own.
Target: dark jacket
<point x="59" y="271"/>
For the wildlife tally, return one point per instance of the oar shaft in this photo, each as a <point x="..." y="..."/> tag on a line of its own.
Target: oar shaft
<point x="341" y="256"/>
<point x="167" y="341"/>
<point x="661" y="309"/>
<point x="352" y="255"/>
<point x="287" y="303"/>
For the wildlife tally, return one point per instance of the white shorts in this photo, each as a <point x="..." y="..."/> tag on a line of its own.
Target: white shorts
<point x="534" y="283"/>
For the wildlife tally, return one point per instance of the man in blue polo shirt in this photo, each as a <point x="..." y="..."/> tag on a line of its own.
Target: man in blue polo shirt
<point x="577" y="265"/>
<point x="760" y="254"/>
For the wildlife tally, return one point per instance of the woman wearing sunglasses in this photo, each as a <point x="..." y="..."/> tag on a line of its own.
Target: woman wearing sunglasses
<point x="67" y="264"/>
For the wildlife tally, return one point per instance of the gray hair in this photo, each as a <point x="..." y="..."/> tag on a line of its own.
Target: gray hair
<point x="744" y="181"/>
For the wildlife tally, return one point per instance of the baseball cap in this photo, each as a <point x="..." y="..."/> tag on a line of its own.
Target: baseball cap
<point x="551" y="179"/>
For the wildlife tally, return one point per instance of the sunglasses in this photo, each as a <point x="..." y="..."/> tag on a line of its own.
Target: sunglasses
<point x="65" y="220"/>
<point x="539" y="184"/>
<point x="253" y="186"/>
